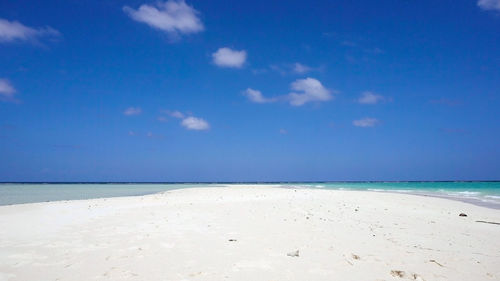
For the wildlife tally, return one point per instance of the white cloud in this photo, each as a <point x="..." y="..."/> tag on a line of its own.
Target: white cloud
<point x="226" y="57"/>
<point x="283" y="131"/>
<point x="304" y="91"/>
<point x="12" y="31"/>
<point x="301" y="69"/>
<point x="489" y="4"/>
<point x="309" y="90"/>
<point x="7" y="91"/>
<point x="174" y="17"/>
<point x="189" y="122"/>
<point x="370" y="98"/>
<point x="257" y="97"/>
<point x="194" y="123"/>
<point x="365" y="122"/>
<point x="132" y="111"/>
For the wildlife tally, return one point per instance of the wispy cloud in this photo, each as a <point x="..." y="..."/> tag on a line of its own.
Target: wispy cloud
<point x="366" y="122"/>
<point x="374" y="51"/>
<point x="279" y="69"/>
<point x="226" y="57"/>
<point x="301" y="68"/>
<point x="445" y="101"/>
<point x="257" y="97"/>
<point x="360" y="51"/>
<point x="67" y="146"/>
<point x="174" y="17"/>
<point x="152" y="135"/>
<point x="348" y="43"/>
<point x="283" y="131"/>
<point x="194" y="123"/>
<point x="14" y="31"/>
<point x="308" y="90"/>
<point x="149" y="135"/>
<point x="453" y="131"/>
<point x="132" y="111"/>
<point x="260" y="70"/>
<point x="371" y="98"/>
<point x="7" y="91"/>
<point x="174" y="113"/>
<point x="288" y="68"/>
<point x="489" y="5"/>
<point x="162" y="119"/>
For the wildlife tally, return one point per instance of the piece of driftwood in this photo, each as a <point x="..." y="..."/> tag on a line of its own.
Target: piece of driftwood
<point x="490" y="222"/>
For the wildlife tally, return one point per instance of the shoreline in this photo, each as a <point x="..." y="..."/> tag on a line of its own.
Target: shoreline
<point x="474" y="201"/>
<point x="250" y="233"/>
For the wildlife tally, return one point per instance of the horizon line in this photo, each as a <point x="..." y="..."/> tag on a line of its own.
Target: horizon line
<point x="234" y="182"/>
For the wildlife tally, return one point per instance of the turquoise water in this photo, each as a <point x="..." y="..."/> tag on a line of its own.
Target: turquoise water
<point x="485" y="193"/>
<point x="479" y="193"/>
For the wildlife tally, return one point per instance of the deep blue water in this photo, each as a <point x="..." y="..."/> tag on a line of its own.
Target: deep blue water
<point x="480" y="193"/>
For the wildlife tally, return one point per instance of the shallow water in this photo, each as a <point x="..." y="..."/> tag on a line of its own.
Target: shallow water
<point x="31" y="193"/>
<point x="483" y="193"/>
<point x="479" y="193"/>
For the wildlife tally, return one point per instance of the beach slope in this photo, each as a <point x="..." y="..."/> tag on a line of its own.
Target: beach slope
<point x="251" y="233"/>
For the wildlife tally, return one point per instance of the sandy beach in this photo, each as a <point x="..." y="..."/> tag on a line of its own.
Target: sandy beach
<point x="250" y="233"/>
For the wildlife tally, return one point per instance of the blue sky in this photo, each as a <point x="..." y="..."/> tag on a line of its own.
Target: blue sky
<point x="249" y="91"/>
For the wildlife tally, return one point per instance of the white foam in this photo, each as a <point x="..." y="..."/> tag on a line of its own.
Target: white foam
<point x="376" y="189"/>
<point x="469" y="192"/>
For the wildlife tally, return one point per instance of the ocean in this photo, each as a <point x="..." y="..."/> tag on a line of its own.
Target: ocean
<point x="483" y="193"/>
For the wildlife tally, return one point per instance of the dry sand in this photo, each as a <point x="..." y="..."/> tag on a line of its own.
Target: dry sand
<point x="250" y="233"/>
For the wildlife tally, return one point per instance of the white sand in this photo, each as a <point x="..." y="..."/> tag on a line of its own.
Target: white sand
<point x="184" y="235"/>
